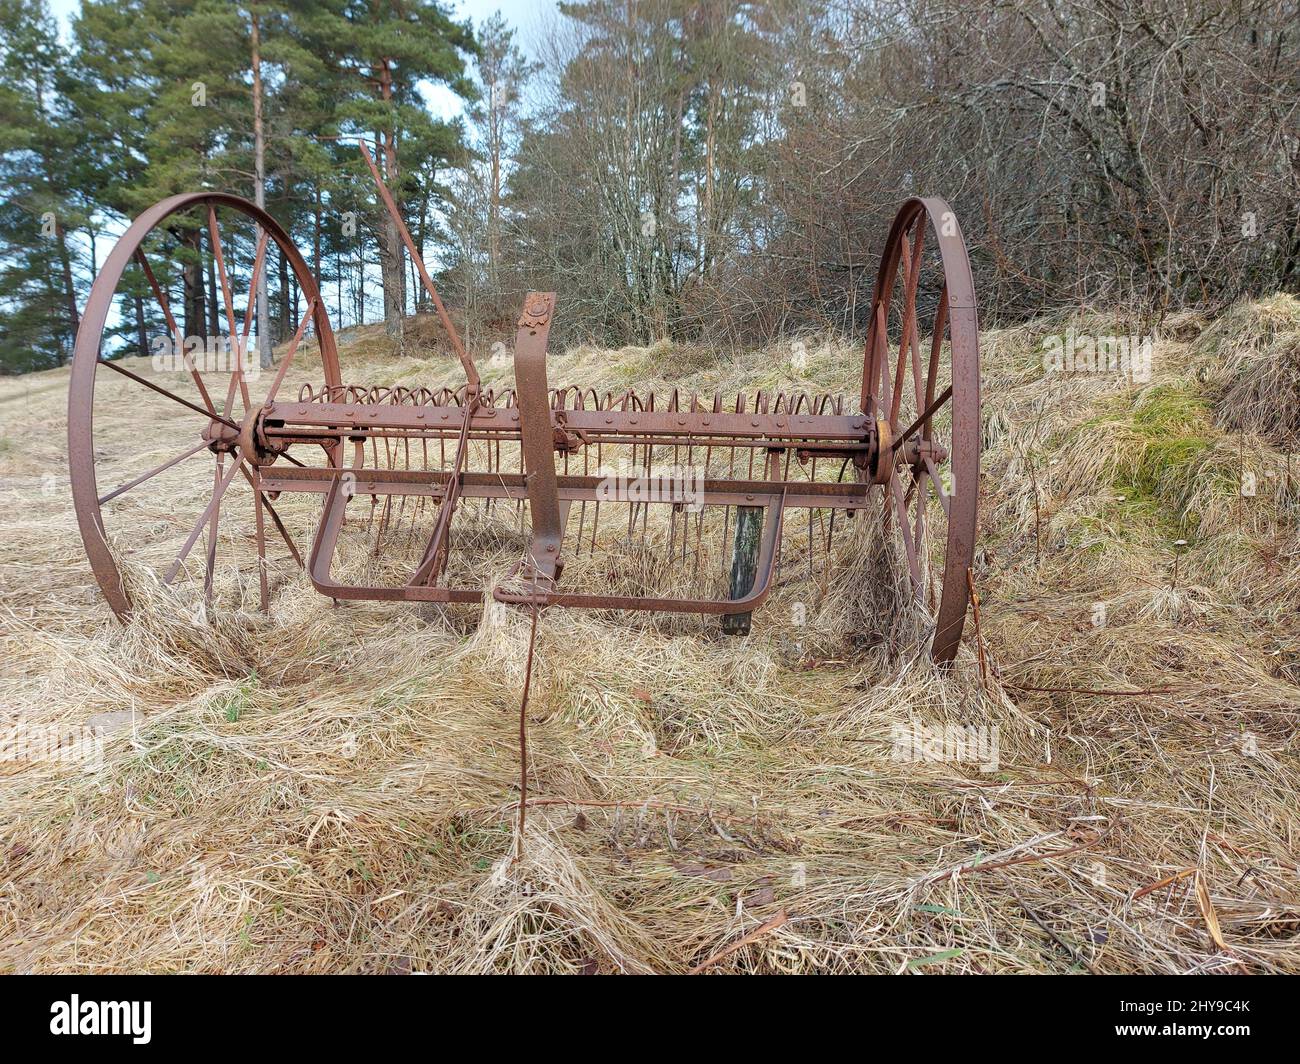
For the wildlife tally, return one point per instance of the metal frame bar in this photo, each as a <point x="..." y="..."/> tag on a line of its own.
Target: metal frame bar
<point x="537" y="436"/>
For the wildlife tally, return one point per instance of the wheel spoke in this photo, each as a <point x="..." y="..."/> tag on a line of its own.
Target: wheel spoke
<point x="879" y="370"/>
<point x="926" y="415"/>
<point x="913" y="565"/>
<point x="275" y="520"/>
<point x="163" y="391"/>
<point x="152" y="473"/>
<point x="293" y="347"/>
<point x="936" y="347"/>
<point x="919" y="533"/>
<point x="937" y="484"/>
<point x="914" y="346"/>
<point x="237" y="377"/>
<point x="911" y="262"/>
<point x="213" y="504"/>
<point x="210" y="559"/>
<point x="259" y="524"/>
<point x="175" y="329"/>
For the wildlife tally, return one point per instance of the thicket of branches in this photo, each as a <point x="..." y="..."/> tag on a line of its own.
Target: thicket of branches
<point x="718" y="169"/>
<point x="732" y="168"/>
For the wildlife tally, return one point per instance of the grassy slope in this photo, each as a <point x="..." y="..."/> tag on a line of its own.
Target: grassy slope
<point x="331" y="790"/>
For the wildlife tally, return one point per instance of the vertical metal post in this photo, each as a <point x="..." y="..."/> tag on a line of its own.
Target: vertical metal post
<point x="745" y="549"/>
<point x="744" y="565"/>
<point x="538" y="435"/>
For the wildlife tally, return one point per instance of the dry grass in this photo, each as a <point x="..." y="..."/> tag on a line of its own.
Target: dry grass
<point x="332" y="790"/>
<point x="1251" y="356"/>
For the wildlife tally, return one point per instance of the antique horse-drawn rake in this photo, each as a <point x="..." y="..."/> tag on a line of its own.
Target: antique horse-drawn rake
<point x="421" y="455"/>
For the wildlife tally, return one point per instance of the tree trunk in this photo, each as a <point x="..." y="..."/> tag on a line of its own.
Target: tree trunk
<point x="192" y="282"/>
<point x="390" y="243"/>
<point x="338" y="280"/>
<point x="284" y="297"/>
<point x="710" y="146"/>
<point x="744" y="564"/>
<point x="141" y="332"/>
<point x="422" y="232"/>
<point x="259" y="195"/>
<point x="214" y="321"/>
<point x="494" y="205"/>
<point x="69" y="290"/>
<point x="316" y="237"/>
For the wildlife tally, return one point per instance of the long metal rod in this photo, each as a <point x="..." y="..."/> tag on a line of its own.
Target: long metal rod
<point x="537" y="430"/>
<point x="152" y="473"/>
<point x="435" y="553"/>
<point x="470" y="371"/>
<point x="215" y="502"/>
<point x="170" y="395"/>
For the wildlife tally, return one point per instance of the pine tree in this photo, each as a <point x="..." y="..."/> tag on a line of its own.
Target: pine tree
<point x="504" y="72"/>
<point x="383" y="51"/>
<point x="41" y="209"/>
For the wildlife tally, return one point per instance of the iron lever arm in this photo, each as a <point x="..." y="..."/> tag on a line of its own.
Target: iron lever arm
<point x="470" y="371"/>
<point x="537" y="430"/>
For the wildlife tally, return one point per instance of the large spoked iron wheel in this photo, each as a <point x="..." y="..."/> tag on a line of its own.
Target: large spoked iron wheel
<point x="192" y="425"/>
<point x="921" y="385"/>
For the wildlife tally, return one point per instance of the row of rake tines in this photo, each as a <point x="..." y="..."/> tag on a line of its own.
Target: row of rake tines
<point x="683" y="546"/>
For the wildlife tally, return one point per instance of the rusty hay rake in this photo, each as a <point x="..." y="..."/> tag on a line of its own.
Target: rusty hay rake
<point x="533" y="457"/>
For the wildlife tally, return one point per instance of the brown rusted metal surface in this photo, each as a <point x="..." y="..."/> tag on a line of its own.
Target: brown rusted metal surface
<point x="908" y="489"/>
<point x="86" y="363"/>
<point x="540" y="449"/>
<point x="537" y="430"/>
<point x="466" y="362"/>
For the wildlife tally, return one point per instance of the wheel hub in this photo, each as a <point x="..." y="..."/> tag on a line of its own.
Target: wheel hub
<point x="249" y="441"/>
<point x="221" y="438"/>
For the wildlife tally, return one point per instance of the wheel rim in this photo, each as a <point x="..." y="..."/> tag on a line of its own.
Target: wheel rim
<point x="223" y="417"/>
<point x="928" y="407"/>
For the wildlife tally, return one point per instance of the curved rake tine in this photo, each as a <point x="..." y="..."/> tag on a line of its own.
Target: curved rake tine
<point x="406" y="457"/>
